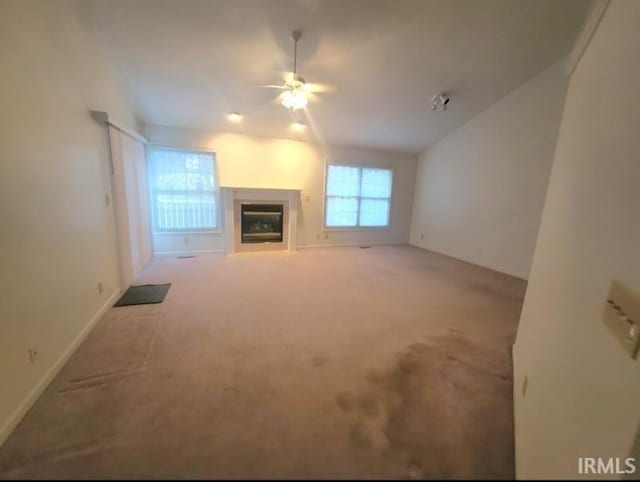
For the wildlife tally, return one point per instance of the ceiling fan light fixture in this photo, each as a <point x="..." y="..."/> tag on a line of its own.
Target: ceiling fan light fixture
<point x="294" y="99"/>
<point x="294" y="96"/>
<point x="234" y="117"/>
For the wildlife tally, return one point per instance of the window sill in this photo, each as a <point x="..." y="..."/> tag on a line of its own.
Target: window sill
<point x="356" y="228"/>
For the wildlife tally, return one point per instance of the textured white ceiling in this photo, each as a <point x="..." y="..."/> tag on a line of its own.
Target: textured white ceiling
<point x="189" y="62"/>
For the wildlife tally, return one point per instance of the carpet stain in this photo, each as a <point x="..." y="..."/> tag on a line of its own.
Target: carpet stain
<point x="375" y="377"/>
<point x="318" y="361"/>
<point x="369" y="406"/>
<point x="368" y="434"/>
<point x="414" y="468"/>
<point x="345" y="401"/>
<point x="229" y="385"/>
<point x="360" y="436"/>
<point x="438" y="404"/>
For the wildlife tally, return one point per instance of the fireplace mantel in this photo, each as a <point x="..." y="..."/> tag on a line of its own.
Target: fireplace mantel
<point x="232" y="196"/>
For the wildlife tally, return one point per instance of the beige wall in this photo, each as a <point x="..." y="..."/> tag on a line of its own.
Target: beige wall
<point x="57" y="240"/>
<point x="480" y="191"/>
<point x="245" y="161"/>
<point x="583" y="396"/>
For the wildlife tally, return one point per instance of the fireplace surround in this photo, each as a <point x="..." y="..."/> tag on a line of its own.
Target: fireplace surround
<point x="260" y="219"/>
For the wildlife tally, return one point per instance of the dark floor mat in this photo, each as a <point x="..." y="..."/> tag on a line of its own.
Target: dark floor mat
<point x="144" y="295"/>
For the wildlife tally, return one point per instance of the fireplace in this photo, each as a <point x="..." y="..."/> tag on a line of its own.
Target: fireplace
<point x="261" y="223"/>
<point x="260" y="219"/>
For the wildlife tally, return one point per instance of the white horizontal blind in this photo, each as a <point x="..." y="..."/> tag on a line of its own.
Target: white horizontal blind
<point x="343" y="193"/>
<point x="357" y="196"/>
<point x="184" y="195"/>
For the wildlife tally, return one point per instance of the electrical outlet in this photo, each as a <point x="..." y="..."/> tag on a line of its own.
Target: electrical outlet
<point x="622" y="316"/>
<point x="186" y="240"/>
<point x="107" y="201"/>
<point x="318" y="236"/>
<point x="306" y="199"/>
<point x="421" y="235"/>
<point x="33" y="354"/>
<point x="100" y="288"/>
<point x="326" y="236"/>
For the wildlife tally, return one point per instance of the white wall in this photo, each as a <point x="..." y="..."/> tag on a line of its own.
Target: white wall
<point x="480" y="191"/>
<point x="245" y="161"/>
<point x="57" y="239"/>
<point x="583" y="396"/>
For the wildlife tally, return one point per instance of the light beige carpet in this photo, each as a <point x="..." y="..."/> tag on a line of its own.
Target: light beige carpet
<point x="328" y="363"/>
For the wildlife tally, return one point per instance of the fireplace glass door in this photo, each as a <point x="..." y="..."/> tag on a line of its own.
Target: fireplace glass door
<point x="261" y="223"/>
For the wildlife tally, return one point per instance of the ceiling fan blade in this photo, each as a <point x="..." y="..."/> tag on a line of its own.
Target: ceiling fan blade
<point x="266" y="86"/>
<point x="318" y="88"/>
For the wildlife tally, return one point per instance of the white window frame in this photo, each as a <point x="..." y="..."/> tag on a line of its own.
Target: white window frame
<point x="355" y="228"/>
<point x="217" y="193"/>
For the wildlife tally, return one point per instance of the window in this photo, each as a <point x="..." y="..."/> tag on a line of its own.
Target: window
<point x="183" y="186"/>
<point x="357" y="196"/>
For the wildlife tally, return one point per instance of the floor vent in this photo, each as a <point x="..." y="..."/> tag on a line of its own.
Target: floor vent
<point x="364" y="247"/>
<point x="185" y="257"/>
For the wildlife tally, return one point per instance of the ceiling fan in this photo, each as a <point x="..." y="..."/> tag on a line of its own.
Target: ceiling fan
<point x="296" y="91"/>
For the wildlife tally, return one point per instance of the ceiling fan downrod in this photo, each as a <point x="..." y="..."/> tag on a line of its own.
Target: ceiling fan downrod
<point x="295" y="36"/>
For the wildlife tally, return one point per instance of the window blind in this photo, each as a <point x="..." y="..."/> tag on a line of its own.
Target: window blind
<point x="357" y="196"/>
<point x="184" y="195"/>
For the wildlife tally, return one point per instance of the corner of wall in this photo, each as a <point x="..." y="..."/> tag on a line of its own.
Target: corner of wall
<point x="480" y="190"/>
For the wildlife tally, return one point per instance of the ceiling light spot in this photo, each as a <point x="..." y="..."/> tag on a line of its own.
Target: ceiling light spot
<point x="234" y="117"/>
<point x="298" y="126"/>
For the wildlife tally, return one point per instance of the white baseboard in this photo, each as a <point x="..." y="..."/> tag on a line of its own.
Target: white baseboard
<point x="515" y="394"/>
<point x="379" y="243"/>
<point x="187" y="252"/>
<point x="14" y="419"/>
<point x="491" y="268"/>
<point x="205" y="251"/>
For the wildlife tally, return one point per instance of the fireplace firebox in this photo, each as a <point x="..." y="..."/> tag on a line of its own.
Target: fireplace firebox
<point x="261" y="223"/>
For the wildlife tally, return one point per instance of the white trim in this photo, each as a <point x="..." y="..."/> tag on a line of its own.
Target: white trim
<point x="591" y="22"/>
<point x="172" y="147"/>
<point x="267" y="252"/>
<point x="103" y="118"/>
<point x="514" y="394"/>
<point x="179" y="146"/>
<point x="326" y="229"/>
<point x="190" y="232"/>
<point x="347" y="245"/>
<point x="187" y="253"/>
<point x="265" y="189"/>
<point x="457" y="258"/>
<point x="16" y="417"/>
